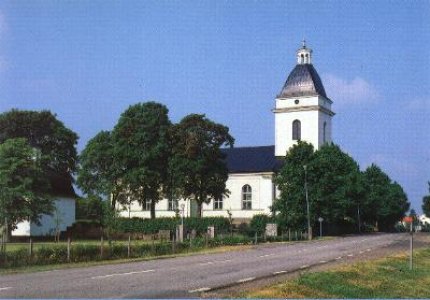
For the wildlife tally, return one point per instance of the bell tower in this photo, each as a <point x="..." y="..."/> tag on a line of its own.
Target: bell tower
<point x="302" y="108"/>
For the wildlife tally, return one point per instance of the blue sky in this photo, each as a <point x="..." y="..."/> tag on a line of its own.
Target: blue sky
<point x="87" y="61"/>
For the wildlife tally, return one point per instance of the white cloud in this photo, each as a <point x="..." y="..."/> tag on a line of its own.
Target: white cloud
<point x="356" y="91"/>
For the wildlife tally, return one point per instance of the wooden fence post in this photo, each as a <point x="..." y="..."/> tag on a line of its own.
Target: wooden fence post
<point x="68" y="249"/>
<point x="101" y="247"/>
<point x="30" y="250"/>
<point x="128" y="246"/>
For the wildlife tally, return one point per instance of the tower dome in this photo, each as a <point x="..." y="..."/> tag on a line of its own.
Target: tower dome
<point x="303" y="79"/>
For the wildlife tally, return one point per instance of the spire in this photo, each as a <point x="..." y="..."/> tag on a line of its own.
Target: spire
<point x="304" y="54"/>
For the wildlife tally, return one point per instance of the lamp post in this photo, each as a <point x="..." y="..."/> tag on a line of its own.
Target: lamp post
<point x="307" y="204"/>
<point x="320" y="220"/>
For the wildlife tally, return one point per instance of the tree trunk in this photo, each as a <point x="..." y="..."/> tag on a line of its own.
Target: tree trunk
<point x="152" y="209"/>
<point x="199" y="209"/>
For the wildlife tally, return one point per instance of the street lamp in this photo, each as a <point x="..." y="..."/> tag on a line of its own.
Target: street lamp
<point x="320" y="220"/>
<point x="307" y="204"/>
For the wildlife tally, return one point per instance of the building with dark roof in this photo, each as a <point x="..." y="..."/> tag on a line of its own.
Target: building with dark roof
<point x="302" y="112"/>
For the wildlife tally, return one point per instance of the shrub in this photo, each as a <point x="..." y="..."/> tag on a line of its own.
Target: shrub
<point x="85" y="252"/>
<point x="258" y="223"/>
<point x="152" y="226"/>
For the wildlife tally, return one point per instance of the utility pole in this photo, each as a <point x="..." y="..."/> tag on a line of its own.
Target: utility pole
<point x="411" y="255"/>
<point x="307" y="204"/>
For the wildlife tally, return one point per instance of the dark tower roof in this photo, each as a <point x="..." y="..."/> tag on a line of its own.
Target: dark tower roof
<point x="304" y="79"/>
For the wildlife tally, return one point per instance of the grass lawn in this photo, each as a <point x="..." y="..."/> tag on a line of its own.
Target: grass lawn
<point x="383" y="278"/>
<point x="16" y="246"/>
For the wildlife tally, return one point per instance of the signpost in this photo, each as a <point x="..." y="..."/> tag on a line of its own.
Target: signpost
<point x="411" y="246"/>
<point x="320" y="220"/>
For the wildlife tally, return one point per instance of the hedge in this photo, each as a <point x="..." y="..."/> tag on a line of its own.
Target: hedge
<point x="152" y="226"/>
<point x="57" y="254"/>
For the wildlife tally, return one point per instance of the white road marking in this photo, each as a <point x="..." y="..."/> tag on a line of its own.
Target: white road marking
<point x="361" y="252"/>
<point x="304" y="266"/>
<point x="266" y="255"/>
<point x="323" y="261"/>
<point x="245" y="279"/>
<point x="339" y="257"/>
<point x="350" y="255"/>
<point x="121" y="274"/>
<point x="204" y="289"/>
<point x="227" y="260"/>
<point x="279" y="272"/>
<point x="368" y="249"/>
<point x="207" y="263"/>
<point x="5" y="288"/>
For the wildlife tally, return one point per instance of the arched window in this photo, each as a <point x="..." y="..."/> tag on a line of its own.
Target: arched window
<point x="307" y="58"/>
<point x="302" y="58"/>
<point x="324" y="132"/>
<point x="297" y="131"/>
<point x="246" y="197"/>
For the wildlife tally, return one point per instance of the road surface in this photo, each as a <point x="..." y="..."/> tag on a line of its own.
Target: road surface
<point x="188" y="276"/>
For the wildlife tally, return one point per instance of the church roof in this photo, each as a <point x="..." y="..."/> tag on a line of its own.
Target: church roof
<point x="61" y="185"/>
<point x="303" y="81"/>
<point x="252" y="159"/>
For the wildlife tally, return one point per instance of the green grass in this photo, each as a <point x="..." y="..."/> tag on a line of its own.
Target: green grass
<point x="384" y="278"/>
<point x="36" y="245"/>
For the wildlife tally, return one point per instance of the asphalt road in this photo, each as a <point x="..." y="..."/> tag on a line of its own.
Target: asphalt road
<point x="188" y="276"/>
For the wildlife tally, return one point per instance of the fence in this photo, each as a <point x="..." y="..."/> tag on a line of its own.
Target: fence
<point x="69" y="251"/>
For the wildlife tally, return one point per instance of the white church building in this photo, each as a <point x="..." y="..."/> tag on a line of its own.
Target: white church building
<point x="302" y="112"/>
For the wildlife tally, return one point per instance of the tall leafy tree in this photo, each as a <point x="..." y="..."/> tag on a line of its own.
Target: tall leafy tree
<point x="290" y="207"/>
<point x="141" y="140"/>
<point x="385" y="202"/>
<point x="99" y="170"/>
<point x="426" y="203"/>
<point x="394" y="209"/>
<point x="335" y="180"/>
<point x="45" y="132"/>
<point x="23" y="187"/>
<point x="197" y="160"/>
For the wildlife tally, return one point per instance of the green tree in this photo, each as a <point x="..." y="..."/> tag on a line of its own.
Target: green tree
<point x="334" y="186"/>
<point x="385" y="202"/>
<point x="43" y="131"/>
<point x="290" y="207"/>
<point x="99" y="171"/>
<point x="23" y="187"/>
<point x="426" y="203"/>
<point x="394" y="209"/>
<point x="201" y="172"/>
<point x="142" y="147"/>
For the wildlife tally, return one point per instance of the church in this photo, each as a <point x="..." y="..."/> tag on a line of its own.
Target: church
<point x="302" y="111"/>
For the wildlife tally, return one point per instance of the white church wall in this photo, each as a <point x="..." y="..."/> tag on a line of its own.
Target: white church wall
<point x="161" y="210"/>
<point x="284" y="129"/>
<point x="324" y="118"/>
<point x="262" y="196"/>
<point x="65" y="208"/>
<point x="290" y="102"/>
<point x="22" y="229"/>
